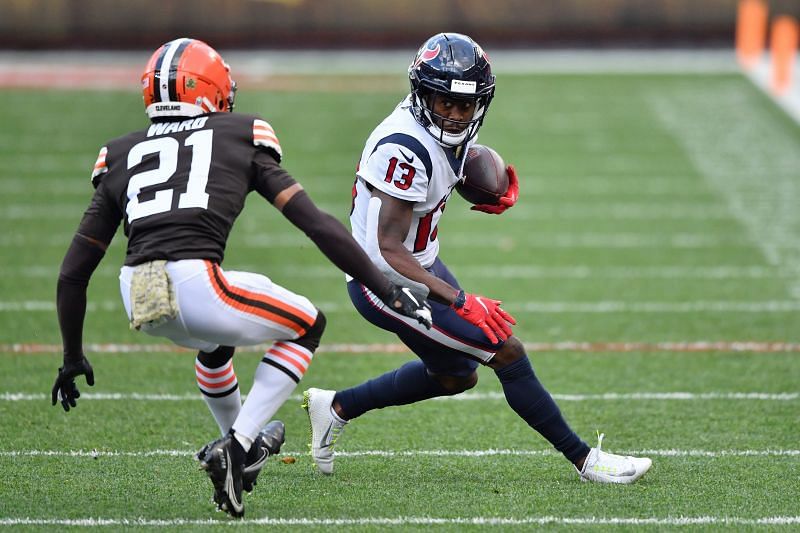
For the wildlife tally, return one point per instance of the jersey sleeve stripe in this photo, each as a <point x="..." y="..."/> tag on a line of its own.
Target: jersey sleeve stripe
<point x="100" y="165"/>
<point x="264" y="135"/>
<point x="412" y="144"/>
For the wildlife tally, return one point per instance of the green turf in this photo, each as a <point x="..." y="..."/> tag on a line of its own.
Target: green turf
<point x="638" y="191"/>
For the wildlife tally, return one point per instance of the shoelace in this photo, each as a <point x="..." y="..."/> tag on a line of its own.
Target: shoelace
<point x="600" y="437"/>
<point x="336" y="429"/>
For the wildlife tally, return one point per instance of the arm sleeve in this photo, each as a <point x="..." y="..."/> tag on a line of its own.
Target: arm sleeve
<point x="269" y="177"/>
<point x="79" y="263"/>
<point x="88" y="247"/>
<point x="333" y="240"/>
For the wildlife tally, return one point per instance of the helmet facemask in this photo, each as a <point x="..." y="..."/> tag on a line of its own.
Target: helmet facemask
<point x="446" y="130"/>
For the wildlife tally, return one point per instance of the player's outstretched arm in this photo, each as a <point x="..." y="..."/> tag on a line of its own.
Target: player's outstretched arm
<point x="333" y="240"/>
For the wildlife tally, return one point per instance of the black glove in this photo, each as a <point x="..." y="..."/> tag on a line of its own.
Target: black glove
<point x="401" y="300"/>
<point x="64" y="389"/>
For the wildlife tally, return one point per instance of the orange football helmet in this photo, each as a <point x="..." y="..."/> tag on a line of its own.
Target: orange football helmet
<point x="185" y="78"/>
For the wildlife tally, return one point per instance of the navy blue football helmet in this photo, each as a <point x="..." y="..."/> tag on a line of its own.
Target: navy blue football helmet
<point x="456" y="67"/>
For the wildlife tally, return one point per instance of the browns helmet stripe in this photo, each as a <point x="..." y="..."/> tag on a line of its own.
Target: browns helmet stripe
<point x="173" y="70"/>
<point x="157" y="74"/>
<point x="166" y="71"/>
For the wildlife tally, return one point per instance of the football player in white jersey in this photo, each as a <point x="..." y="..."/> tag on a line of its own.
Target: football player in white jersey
<point x="410" y="164"/>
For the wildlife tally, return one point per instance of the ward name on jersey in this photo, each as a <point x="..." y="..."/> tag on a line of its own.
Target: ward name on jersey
<point x="178" y="186"/>
<point x="402" y="160"/>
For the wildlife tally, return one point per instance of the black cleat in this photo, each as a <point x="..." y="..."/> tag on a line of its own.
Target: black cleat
<point x="224" y="460"/>
<point x="267" y="443"/>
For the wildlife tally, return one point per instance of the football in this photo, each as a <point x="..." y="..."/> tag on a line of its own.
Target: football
<point x="485" y="177"/>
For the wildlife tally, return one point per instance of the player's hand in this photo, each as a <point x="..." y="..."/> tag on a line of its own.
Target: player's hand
<point x="65" y="390"/>
<point x="505" y="201"/>
<point x="487" y="315"/>
<point x="405" y="303"/>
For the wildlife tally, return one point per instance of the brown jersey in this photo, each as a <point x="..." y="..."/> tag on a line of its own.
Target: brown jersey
<point x="179" y="185"/>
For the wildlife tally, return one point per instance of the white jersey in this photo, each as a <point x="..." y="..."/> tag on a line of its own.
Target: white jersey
<point x="402" y="160"/>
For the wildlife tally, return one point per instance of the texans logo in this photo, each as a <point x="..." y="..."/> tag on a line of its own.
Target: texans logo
<point x="428" y="54"/>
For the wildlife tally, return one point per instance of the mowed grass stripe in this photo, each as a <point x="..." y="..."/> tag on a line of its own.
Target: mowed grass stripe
<point x="557" y="211"/>
<point x="472" y="240"/>
<point x="410" y="521"/>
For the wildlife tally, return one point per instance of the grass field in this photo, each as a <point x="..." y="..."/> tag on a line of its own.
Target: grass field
<point x="652" y="264"/>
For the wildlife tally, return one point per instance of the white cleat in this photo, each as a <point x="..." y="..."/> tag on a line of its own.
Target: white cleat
<point x="325" y="427"/>
<point x="604" y="467"/>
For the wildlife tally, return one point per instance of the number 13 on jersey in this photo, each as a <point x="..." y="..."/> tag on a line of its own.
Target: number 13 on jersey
<point x="403" y="182"/>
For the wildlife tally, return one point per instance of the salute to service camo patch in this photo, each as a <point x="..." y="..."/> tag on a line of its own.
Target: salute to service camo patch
<point x="152" y="301"/>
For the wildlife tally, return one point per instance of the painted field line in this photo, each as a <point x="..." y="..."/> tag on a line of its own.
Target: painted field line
<point x="411" y="453"/>
<point x="463" y="397"/>
<point x="601" y="307"/>
<point x="378" y="348"/>
<point x="409" y="521"/>
<point x="506" y="271"/>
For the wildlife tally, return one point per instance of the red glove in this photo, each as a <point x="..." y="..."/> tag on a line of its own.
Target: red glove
<point x="484" y="313"/>
<point x="505" y="201"/>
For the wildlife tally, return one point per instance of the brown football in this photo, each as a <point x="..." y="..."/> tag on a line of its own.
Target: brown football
<point x="485" y="177"/>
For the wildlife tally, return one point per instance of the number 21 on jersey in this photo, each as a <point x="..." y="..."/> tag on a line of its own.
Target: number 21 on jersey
<point x="167" y="149"/>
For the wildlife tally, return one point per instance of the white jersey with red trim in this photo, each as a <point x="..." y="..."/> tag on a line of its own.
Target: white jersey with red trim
<point x="401" y="159"/>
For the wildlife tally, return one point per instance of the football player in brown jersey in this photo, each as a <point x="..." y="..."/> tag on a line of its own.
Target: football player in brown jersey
<point x="177" y="186"/>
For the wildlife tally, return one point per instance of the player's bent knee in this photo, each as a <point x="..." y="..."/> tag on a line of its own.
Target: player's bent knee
<point x="310" y="340"/>
<point x="217" y="358"/>
<point x="511" y="351"/>
<point x="456" y="384"/>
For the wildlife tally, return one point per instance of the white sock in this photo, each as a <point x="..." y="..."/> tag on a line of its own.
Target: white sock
<point x="221" y="393"/>
<point x="277" y="375"/>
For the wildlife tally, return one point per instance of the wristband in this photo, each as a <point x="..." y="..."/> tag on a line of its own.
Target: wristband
<point x="461" y="299"/>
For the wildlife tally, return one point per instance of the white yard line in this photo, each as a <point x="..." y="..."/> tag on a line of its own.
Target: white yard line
<point x="409" y="521"/>
<point x="382" y="348"/>
<point x="411" y="453"/>
<point x="466" y="396"/>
